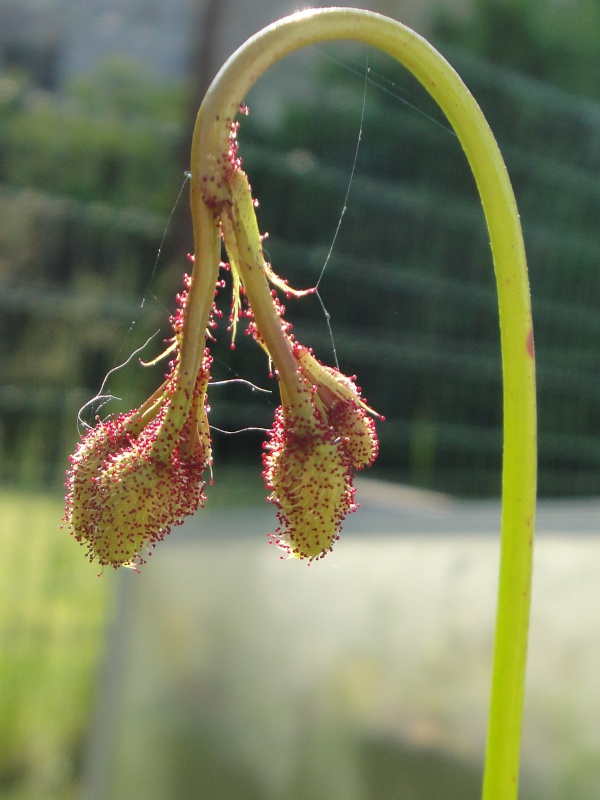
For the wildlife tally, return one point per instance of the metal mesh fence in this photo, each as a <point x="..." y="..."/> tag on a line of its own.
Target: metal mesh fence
<point x="409" y="286"/>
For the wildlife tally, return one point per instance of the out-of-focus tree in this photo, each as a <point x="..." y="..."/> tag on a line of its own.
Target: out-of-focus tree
<point x="109" y="138"/>
<point x="555" y="41"/>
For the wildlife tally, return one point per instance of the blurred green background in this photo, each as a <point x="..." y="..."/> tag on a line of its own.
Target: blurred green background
<point x="91" y="163"/>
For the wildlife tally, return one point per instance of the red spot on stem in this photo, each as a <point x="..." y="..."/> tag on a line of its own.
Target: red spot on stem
<point x="530" y="348"/>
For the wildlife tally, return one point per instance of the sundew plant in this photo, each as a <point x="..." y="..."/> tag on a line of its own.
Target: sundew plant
<point x="135" y="475"/>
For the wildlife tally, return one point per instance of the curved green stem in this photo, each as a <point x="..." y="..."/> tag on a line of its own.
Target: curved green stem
<point x="199" y="304"/>
<point x="209" y="157"/>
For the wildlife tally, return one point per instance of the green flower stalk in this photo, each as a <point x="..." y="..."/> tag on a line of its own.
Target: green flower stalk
<point x="216" y="181"/>
<point x="119" y="501"/>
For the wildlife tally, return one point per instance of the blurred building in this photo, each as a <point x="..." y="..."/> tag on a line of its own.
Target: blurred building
<point x="54" y="39"/>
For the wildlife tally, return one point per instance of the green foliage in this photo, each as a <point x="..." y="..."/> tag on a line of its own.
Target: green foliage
<point x="111" y="139"/>
<point x="53" y="620"/>
<point x="87" y="178"/>
<point x="125" y="89"/>
<point x="558" y="42"/>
